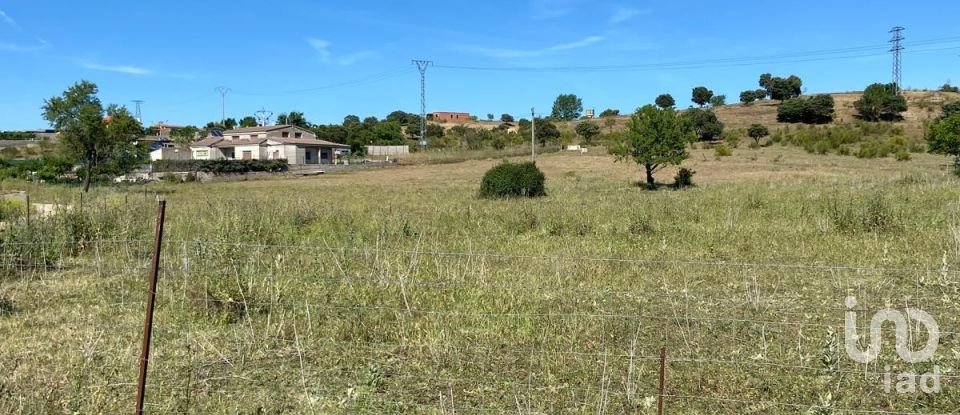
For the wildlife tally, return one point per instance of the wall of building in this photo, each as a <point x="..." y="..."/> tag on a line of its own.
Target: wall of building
<point x="206" y="153"/>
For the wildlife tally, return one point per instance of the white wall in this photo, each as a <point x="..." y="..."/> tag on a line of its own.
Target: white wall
<point x="204" y="153"/>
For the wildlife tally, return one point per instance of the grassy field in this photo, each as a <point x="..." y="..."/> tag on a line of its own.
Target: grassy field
<point x="399" y="291"/>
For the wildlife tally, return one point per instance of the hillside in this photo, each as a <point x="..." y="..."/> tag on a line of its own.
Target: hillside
<point x="922" y="106"/>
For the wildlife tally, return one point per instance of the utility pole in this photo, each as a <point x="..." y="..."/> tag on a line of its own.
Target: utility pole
<point x="422" y="67"/>
<point x="263" y="116"/>
<point x="533" y="135"/>
<point x="137" y="103"/>
<point x="223" y="91"/>
<point x="897" y="47"/>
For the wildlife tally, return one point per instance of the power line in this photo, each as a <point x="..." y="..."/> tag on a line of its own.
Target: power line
<point x="897" y="48"/>
<point x="137" y="103"/>
<point x="263" y="116"/>
<point x="807" y="56"/>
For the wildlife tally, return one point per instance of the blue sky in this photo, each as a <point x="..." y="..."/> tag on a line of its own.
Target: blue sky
<point x="329" y="59"/>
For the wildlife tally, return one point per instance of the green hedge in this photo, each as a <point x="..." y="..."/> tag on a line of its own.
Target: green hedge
<point x="513" y="180"/>
<point x="220" y="166"/>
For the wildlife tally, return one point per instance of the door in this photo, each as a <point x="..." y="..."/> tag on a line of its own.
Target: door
<point x="248" y="155"/>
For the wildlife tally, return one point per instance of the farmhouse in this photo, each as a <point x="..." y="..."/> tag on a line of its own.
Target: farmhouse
<point x="443" y="116"/>
<point x="295" y="144"/>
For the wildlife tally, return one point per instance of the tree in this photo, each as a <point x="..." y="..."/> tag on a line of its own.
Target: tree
<point x="718" y="101"/>
<point x="951" y="109"/>
<point x="230" y="123"/>
<point x="701" y="96"/>
<point x="351" y="121"/>
<point x="547" y="132"/>
<point x="295" y="118"/>
<point x="587" y="130"/>
<point x="567" y="107"/>
<point x="248" y="121"/>
<point x="748" y="97"/>
<point x="665" y="101"/>
<point x="943" y="137"/>
<point x="757" y="132"/>
<point x="370" y="122"/>
<point x="609" y="122"/>
<point x="761" y="94"/>
<point x="880" y="102"/>
<point x="655" y="138"/>
<point x="704" y="123"/>
<point x="489" y="117"/>
<point x="780" y="89"/>
<point x="609" y="112"/>
<point x="949" y="88"/>
<point x="184" y="136"/>
<point x="100" y="138"/>
<point x="506" y="118"/>
<point x="818" y="109"/>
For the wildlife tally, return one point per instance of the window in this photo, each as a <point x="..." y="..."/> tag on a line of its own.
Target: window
<point x="286" y="134"/>
<point x="308" y="155"/>
<point x="297" y="135"/>
<point x="247" y="155"/>
<point x="235" y="137"/>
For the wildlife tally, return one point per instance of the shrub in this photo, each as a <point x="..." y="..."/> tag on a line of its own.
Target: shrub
<point x="513" y="180"/>
<point x="722" y="151"/>
<point x="873" y="215"/>
<point x="6" y="306"/>
<point x="11" y="209"/>
<point x="684" y="178"/>
<point x="220" y="166"/>
<point x="814" y="110"/>
<point x="880" y="102"/>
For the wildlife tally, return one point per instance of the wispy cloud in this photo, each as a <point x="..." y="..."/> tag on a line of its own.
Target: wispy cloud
<point x="20" y="48"/>
<point x="353" y="58"/>
<point x="551" y="9"/>
<point x="505" y="53"/>
<point x="5" y="18"/>
<point x="322" y="47"/>
<point x="624" y="14"/>
<point x="124" y="69"/>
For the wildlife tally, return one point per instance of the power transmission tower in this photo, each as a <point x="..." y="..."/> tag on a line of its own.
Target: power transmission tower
<point x="223" y="91"/>
<point x="263" y="116"/>
<point x="137" y="103"/>
<point x="897" y="42"/>
<point x="422" y="67"/>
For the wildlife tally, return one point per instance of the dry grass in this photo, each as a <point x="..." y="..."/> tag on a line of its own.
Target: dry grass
<point x="399" y="291"/>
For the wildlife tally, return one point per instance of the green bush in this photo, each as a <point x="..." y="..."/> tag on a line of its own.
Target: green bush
<point x="513" y="180"/>
<point x="684" y="178"/>
<point x="722" y="151"/>
<point x="220" y="166"/>
<point x="11" y="209"/>
<point x="814" y="110"/>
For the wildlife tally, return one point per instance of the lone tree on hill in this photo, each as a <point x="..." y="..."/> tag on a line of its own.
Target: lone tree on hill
<point x="655" y="138"/>
<point x="781" y="89"/>
<point x="701" y="96"/>
<point x="748" y="97"/>
<point x="101" y="138"/>
<point x="665" y="101"/>
<point x="567" y="107"/>
<point x="880" y="102"/>
<point x="757" y="132"/>
<point x="588" y="130"/>
<point x="609" y="112"/>
<point x="506" y="118"/>
<point x="704" y="123"/>
<point x="248" y="121"/>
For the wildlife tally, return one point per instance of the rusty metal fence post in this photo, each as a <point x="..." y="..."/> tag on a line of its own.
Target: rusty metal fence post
<point x="151" y="297"/>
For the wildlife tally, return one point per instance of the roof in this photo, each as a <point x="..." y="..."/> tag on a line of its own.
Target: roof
<point x="221" y="142"/>
<point x="306" y="141"/>
<point x="261" y="129"/>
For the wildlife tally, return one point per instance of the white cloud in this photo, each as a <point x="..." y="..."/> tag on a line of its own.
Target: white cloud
<point x="16" y="47"/>
<point x="125" y="69"/>
<point x="353" y="58"/>
<point x="527" y="53"/>
<point x="623" y="14"/>
<point x="551" y="9"/>
<point x="8" y="20"/>
<point x="322" y="47"/>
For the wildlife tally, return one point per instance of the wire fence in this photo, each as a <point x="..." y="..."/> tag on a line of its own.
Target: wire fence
<point x="248" y="327"/>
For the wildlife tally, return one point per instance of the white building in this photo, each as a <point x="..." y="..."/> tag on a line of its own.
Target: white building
<point x="295" y="144"/>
